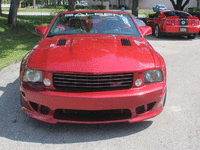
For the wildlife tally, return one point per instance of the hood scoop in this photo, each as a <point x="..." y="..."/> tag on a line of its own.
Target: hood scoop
<point x="125" y="42"/>
<point x="61" y="42"/>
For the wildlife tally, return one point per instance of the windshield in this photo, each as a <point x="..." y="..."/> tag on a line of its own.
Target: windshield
<point x="94" y="23"/>
<point x="176" y="13"/>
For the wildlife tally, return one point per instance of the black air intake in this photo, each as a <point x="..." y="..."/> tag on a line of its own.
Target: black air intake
<point x="90" y="115"/>
<point x="125" y="42"/>
<point x="61" y="42"/>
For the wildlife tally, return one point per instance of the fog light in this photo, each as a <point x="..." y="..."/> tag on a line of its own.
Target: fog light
<point x="138" y="82"/>
<point x="47" y="82"/>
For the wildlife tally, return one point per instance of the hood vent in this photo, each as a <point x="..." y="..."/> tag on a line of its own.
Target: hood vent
<point x="125" y="42"/>
<point x="61" y="42"/>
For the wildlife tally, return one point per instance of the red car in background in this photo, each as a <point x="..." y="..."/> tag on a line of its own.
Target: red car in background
<point x="174" y="22"/>
<point x="93" y="67"/>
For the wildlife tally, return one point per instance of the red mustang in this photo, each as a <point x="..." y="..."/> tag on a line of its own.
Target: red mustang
<point x="174" y="22"/>
<point x="92" y="67"/>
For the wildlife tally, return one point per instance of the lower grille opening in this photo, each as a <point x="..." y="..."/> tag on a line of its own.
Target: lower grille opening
<point x="34" y="106"/>
<point x="44" y="110"/>
<point x="150" y="106"/>
<point x="83" y="115"/>
<point x="140" y="109"/>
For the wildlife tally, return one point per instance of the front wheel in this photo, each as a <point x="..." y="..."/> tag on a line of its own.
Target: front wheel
<point x="157" y="32"/>
<point x="191" y="36"/>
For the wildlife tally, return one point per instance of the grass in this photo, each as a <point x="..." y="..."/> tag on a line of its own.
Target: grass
<point x="16" y="42"/>
<point x="146" y="12"/>
<point x="50" y="9"/>
<point x="61" y="9"/>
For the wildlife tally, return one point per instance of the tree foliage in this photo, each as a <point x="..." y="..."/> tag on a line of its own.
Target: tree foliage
<point x="0" y="8"/>
<point x="180" y="4"/>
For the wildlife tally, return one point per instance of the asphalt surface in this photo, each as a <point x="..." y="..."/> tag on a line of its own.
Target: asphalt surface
<point x="176" y="128"/>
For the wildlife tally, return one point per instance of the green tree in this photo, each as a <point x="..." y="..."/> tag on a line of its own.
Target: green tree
<point x="12" y="17"/>
<point x="198" y="1"/>
<point x="135" y="7"/>
<point x="72" y="5"/>
<point x="119" y="3"/>
<point x="54" y="3"/>
<point x="180" y="4"/>
<point x="102" y="2"/>
<point x="33" y="3"/>
<point x="0" y="8"/>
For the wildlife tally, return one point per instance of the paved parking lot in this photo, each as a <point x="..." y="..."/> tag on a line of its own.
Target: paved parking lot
<point x="176" y="128"/>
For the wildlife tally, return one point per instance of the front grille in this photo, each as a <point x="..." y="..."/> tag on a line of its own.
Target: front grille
<point x="85" y="115"/>
<point x="101" y="82"/>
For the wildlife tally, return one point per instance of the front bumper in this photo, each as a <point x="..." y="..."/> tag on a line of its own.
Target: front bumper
<point x="133" y="99"/>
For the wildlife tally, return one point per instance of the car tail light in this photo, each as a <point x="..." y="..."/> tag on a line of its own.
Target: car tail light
<point x="170" y="22"/>
<point x="194" y="22"/>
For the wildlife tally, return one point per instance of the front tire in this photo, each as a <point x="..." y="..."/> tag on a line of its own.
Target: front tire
<point x="157" y="32"/>
<point x="191" y="36"/>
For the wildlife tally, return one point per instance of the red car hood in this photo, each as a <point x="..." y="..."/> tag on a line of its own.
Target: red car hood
<point x="92" y="53"/>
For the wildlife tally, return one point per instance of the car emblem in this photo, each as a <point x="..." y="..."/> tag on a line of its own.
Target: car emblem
<point x="183" y="22"/>
<point x="116" y="84"/>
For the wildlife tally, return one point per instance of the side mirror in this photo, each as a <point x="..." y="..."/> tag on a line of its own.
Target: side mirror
<point x="146" y="30"/>
<point x="41" y="30"/>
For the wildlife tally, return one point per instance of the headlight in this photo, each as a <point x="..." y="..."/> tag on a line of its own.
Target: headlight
<point x="151" y="76"/>
<point x="32" y="76"/>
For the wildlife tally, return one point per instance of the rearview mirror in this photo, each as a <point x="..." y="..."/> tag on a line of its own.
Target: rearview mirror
<point x="41" y="30"/>
<point x="146" y="30"/>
